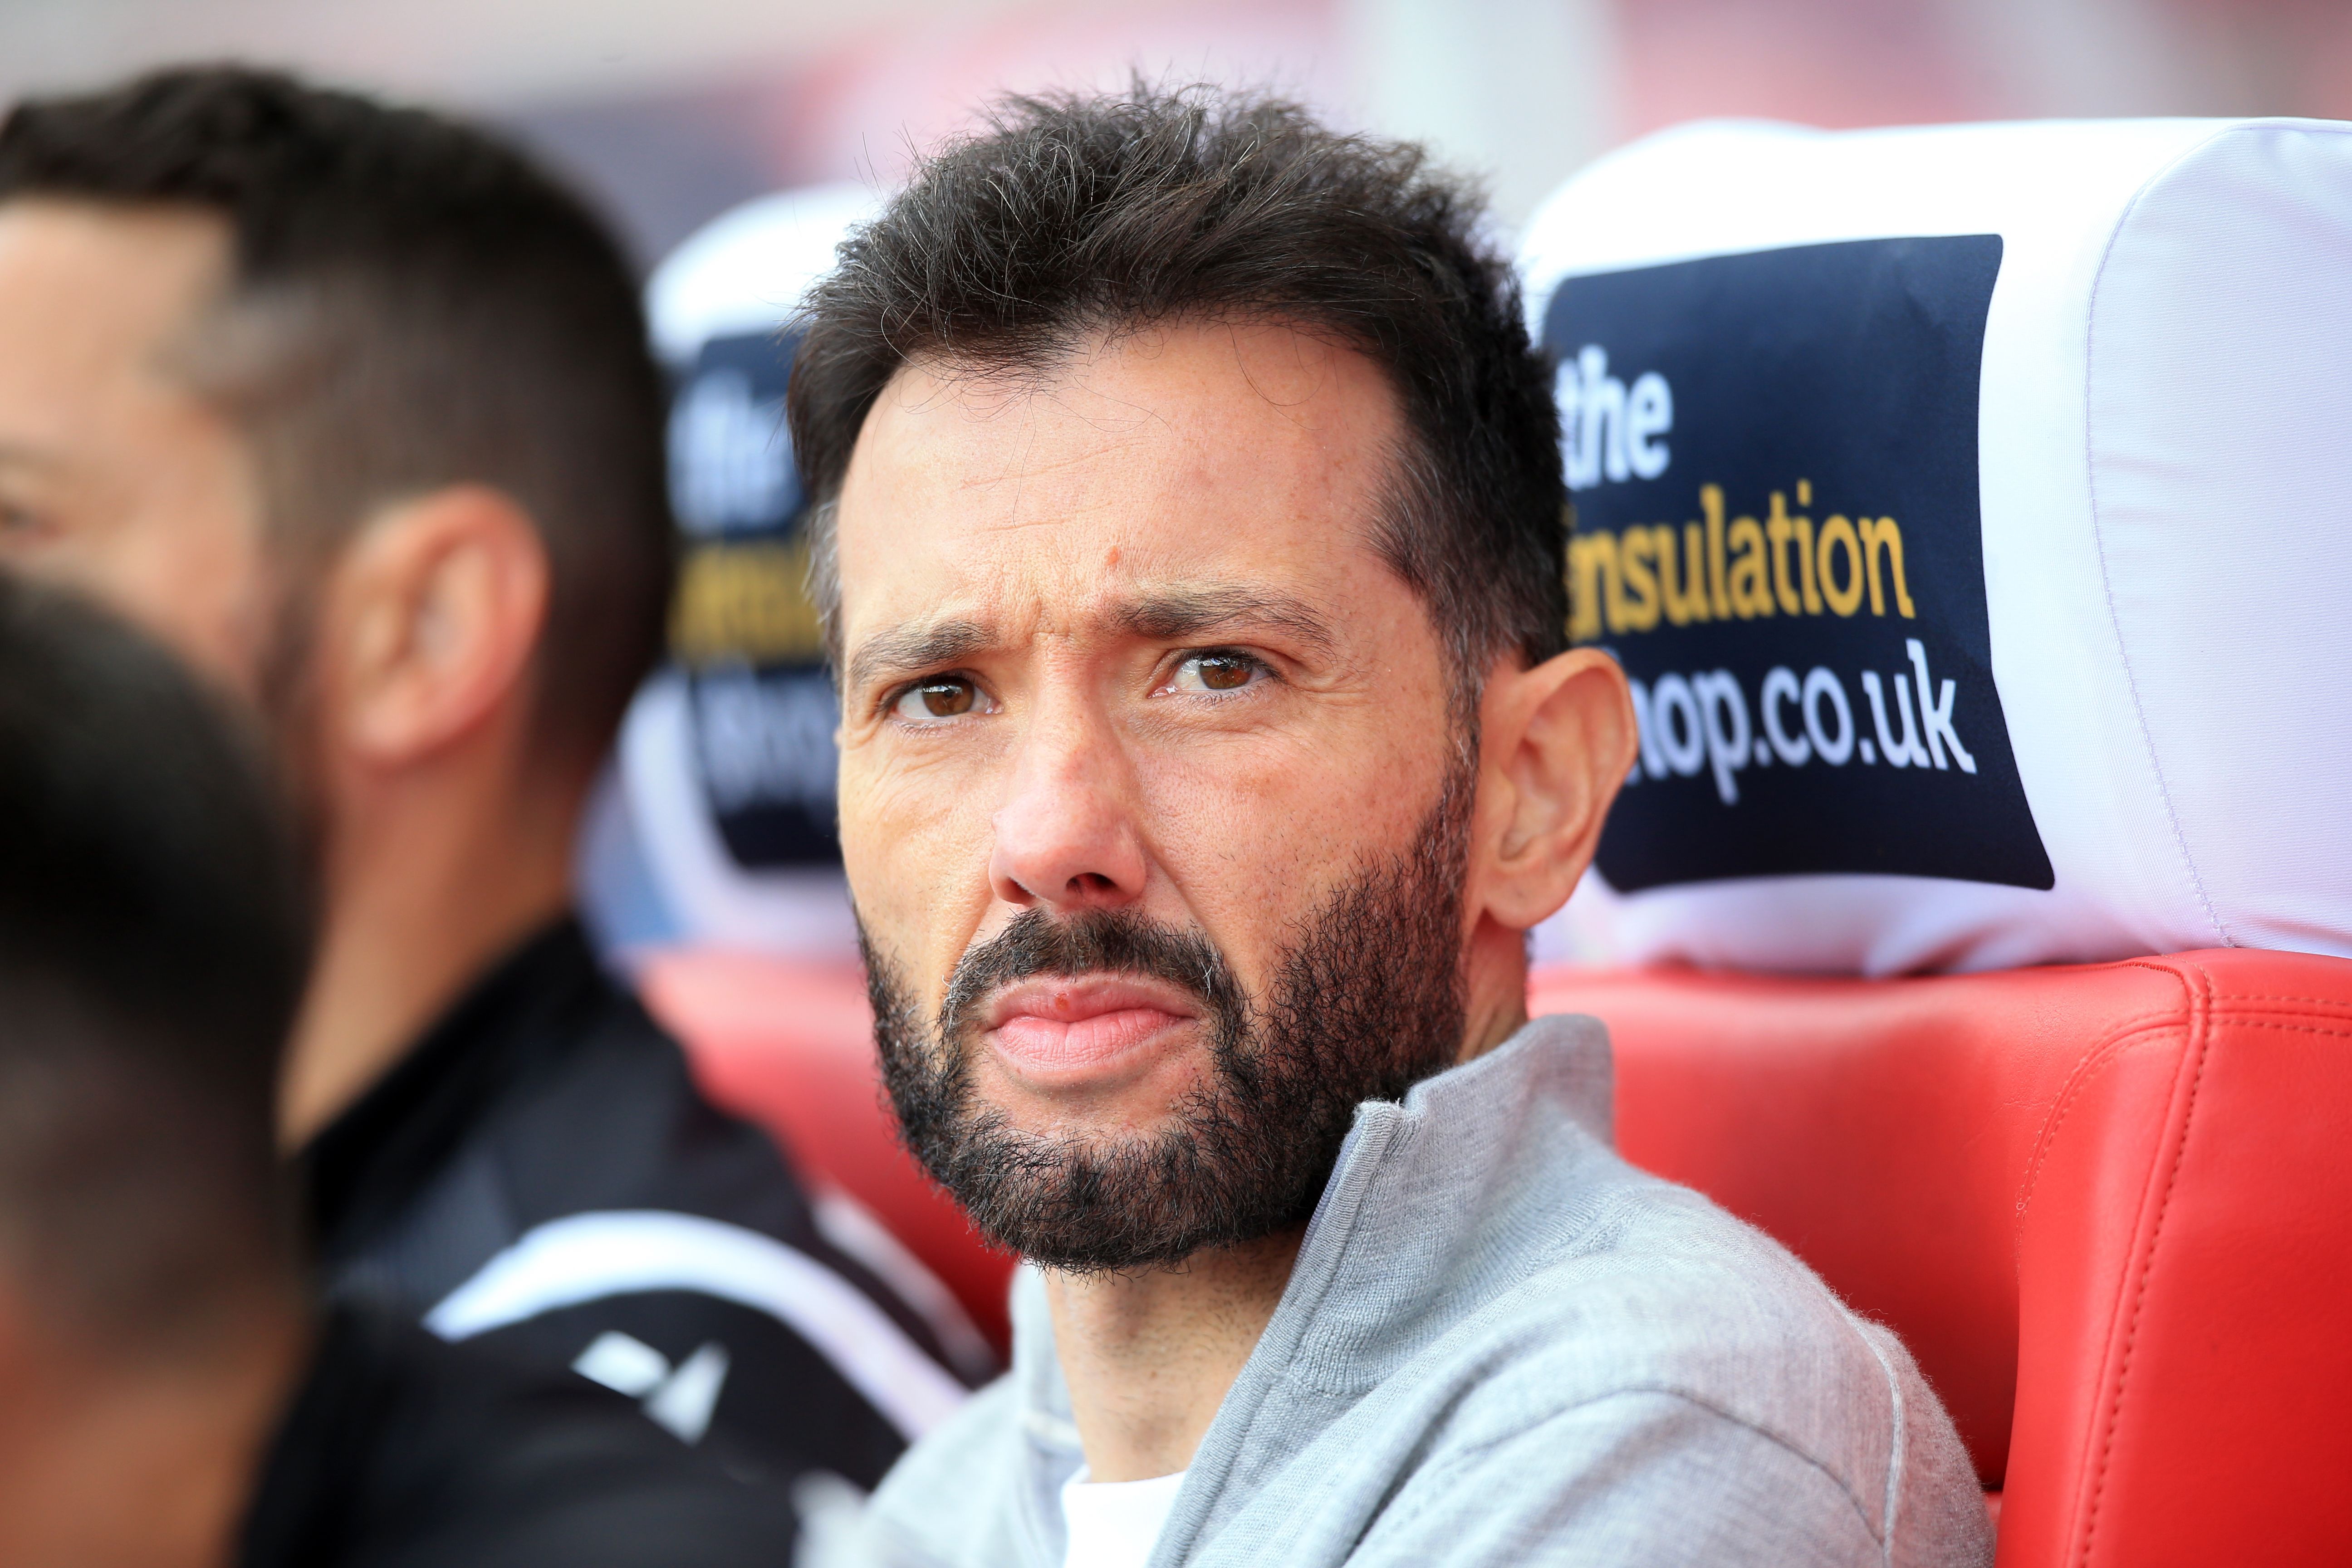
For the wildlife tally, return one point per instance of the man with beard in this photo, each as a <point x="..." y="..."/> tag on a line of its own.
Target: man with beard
<point x="1191" y="538"/>
<point x="353" y="406"/>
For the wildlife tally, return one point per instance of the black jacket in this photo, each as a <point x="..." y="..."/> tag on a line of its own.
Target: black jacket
<point x="541" y="1173"/>
<point x="400" y="1451"/>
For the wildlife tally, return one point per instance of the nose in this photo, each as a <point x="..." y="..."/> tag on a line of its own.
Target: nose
<point x="1065" y="834"/>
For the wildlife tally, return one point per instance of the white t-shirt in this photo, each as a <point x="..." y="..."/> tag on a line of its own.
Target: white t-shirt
<point x="1115" y="1524"/>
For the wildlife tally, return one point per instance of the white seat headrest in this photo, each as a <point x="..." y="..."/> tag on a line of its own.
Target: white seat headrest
<point x="719" y="827"/>
<point x="1970" y="507"/>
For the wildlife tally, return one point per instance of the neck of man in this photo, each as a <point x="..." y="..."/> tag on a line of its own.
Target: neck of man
<point x="109" y="1460"/>
<point x="1149" y="1354"/>
<point x="1495" y="979"/>
<point x="431" y="876"/>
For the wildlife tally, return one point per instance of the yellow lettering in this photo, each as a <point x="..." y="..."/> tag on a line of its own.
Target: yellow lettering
<point x="1640" y="605"/>
<point x="1724" y="567"/>
<point x="1694" y="573"/>
<point x="1662" y="550"/>
<point x="1710" y="501"/>
<point x="744" y="602"/>
<point x="1882" y="537"/>
<point x="1837" y="533"/>
<point x="1591" y="558"/>
<point x="1751" y="587"/>
<point x="1779" y="531"/>
<point x="1809" y="582"/>
<point x="1683" y="592"/>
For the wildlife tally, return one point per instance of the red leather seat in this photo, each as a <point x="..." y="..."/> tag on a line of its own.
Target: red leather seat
<point x="2108" y="1207"/>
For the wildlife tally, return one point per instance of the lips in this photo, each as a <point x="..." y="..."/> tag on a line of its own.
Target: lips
<point x="1056" y="1026"/>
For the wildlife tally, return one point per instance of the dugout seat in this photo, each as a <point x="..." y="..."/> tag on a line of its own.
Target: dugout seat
<point x="2105" y="1196"/>
<point x="2109" y="1206"/>
<point x="2040" y="424"/>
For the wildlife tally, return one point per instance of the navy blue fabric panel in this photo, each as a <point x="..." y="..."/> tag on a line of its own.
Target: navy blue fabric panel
<point x="1773" y="461"/>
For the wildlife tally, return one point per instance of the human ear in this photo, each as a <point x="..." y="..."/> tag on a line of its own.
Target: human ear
<point x="1555" y="745"/>
<point x="431" y="616"/>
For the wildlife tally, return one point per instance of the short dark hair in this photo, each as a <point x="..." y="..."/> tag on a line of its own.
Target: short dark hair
<point x="154" y="939"/>
<point x="432" y="310"/>
<point x="1074" y="213"/>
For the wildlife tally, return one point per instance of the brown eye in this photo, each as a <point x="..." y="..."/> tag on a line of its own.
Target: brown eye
<point x="1217" y="672"/>
<point x="941" y="696"/>
<point x="945" y="699"/>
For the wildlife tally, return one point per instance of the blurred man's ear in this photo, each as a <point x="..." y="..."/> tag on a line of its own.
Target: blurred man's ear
<point x="429" y="624"/>
<point x="1555" y="742"/>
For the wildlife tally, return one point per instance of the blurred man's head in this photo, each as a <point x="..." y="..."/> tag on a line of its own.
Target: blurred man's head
<point x="153" y="940"/>
<point x="243" y="322"/>
<point x="352" y="406"/>
<point x="1192" y="540"/>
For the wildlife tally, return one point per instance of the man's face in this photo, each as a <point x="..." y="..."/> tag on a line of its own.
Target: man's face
<point x="1150" y="796"/>
<point x="114" y="478"/>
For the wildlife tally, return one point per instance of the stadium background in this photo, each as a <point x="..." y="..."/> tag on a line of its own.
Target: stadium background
<point x="673" y="111"/>
<point x="713" y="827"/>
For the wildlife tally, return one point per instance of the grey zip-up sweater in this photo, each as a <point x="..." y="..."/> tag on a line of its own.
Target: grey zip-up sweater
<point x="1500" y="1344"/>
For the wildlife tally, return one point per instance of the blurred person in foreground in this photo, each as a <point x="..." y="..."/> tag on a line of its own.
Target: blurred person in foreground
<point x="164" y="1386"/>
<point x="354" y="407"/>
<point x="1191" y="537"/>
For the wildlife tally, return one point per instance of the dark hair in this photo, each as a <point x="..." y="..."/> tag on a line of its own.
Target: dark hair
<point x="414" y="305"/>
<point x="1078" y="214"/>
<point x="154" y="939"/>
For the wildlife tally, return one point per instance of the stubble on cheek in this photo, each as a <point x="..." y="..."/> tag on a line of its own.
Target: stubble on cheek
<point x="904" y="903"/>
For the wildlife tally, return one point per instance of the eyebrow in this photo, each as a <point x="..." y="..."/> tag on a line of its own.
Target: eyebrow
<point x="914" y="647"/>
<point x="1176" y="613"/>
<point x="1169" y="614"/>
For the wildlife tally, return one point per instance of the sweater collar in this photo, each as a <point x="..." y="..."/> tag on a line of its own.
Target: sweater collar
<point x="1482" y="1143"/>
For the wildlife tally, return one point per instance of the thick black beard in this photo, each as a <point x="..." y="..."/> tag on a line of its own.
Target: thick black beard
<point x="1366" y="1002"/>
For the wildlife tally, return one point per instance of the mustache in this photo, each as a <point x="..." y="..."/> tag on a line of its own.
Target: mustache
<point x="1095" y="941"/>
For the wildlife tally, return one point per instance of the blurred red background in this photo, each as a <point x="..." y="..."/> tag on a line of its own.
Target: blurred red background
<point x="673" y="111"/>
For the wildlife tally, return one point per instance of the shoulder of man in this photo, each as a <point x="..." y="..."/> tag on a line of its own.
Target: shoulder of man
<point x="401" y="1450"/>
<point x="604" y="1216"/>
<point x="1664" y="1291"/>
<point x="1684" y="1352"/>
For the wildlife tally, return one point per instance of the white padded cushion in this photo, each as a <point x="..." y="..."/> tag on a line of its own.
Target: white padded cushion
<point x="2149" y="666"/>
<point x="717" y="827"/>
<point x="745" y="270"/>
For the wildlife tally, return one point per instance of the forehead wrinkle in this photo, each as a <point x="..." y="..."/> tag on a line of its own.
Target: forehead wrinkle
<point x="1028" y="464"/>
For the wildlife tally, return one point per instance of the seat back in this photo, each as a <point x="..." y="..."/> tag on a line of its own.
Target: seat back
<point x="714" y="827"/>
<point x="1967" y="505"/>
<point x="2108" y="1207"/>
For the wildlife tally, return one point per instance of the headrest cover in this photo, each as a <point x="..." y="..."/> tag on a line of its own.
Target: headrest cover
<point x="1968" y="507"/>
<point x="723" y="827"/>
